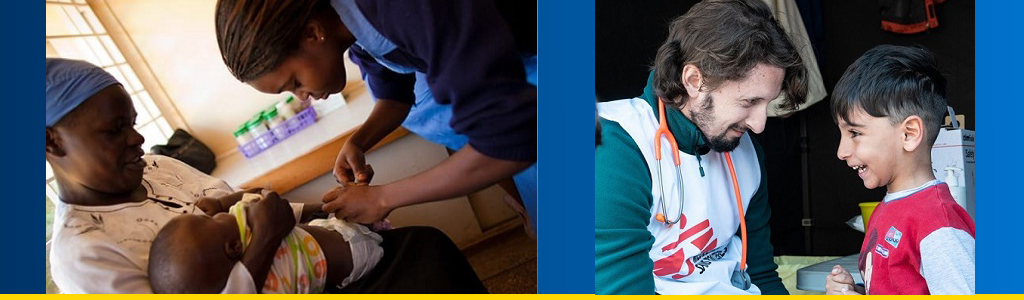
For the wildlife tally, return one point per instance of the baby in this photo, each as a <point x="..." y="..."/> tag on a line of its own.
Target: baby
<point x="197" y="253"/>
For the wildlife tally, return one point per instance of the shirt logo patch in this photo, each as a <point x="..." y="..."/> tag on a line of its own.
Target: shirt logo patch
<point x="703" y="260"/>
<point x="893" y="237"/>
<point x="882" y="251"/>
<point x="679" y="264"/>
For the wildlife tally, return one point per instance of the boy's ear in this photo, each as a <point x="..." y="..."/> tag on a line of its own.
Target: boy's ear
<point x="692" y="80"/>
<point x="912" y="129"/>
<point x="53" y="143"/>
<point x="233" y="249"/>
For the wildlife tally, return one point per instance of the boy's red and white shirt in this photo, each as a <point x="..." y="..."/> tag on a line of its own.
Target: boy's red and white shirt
<point x="919" y="241"/>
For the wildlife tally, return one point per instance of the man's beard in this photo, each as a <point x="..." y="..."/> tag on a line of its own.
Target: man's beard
<point x="704" y="117"/>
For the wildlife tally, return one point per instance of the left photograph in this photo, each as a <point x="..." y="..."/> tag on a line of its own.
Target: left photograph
<point x="291" y="146"/>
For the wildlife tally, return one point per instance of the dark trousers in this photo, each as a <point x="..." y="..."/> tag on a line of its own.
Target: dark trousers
<point x="419" y="260"/>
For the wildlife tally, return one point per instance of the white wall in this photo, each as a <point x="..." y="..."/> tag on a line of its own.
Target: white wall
<point x="176" y="40"/>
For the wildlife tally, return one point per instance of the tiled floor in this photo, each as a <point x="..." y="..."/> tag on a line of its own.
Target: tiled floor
<point x="506" y="263"/>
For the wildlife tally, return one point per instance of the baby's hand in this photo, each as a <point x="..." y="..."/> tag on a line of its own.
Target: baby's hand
<point x="840" y="282"/>
<point x="213" y="206"/>
<point x="210" y="206"/>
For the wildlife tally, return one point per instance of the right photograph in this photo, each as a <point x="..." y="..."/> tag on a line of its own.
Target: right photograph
<point x="784" y="147"/>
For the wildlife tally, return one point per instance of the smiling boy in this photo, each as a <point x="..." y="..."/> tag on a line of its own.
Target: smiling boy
<point x="889" y="105"/>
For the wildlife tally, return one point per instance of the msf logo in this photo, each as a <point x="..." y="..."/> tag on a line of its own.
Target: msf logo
<point x="700" y="235"/>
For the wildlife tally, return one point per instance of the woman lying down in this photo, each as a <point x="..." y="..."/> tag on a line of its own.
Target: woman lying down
<point x="197" y="253"/>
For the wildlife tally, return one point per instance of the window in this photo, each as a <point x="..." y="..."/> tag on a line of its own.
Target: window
<point x="73" y="31"/>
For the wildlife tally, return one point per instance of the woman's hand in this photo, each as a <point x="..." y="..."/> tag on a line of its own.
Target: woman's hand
<point x="350" y="166"/>
<point x="361" y="203"/>
<point x="465" y="172"/>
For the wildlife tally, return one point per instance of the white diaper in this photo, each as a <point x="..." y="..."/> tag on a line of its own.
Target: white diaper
<point x="365" y="245"/>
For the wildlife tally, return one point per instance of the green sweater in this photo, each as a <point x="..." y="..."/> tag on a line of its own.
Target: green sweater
<point x="622" y="207"/>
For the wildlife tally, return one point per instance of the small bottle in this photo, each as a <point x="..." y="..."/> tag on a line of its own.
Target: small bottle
<point x="296" y="104"/>
<point x="958" y="192"/>
<point x="242" y="135"/>
<point x="284" y="108"/>
<point x="258" y="129"/>
<point x="275" y="122"/>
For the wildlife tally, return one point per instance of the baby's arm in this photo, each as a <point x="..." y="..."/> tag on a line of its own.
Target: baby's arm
<point x="310" y="212"/>
<point x="840" y="282"/>
<point x="213" y="206"/>
<point x="271" y="220"/>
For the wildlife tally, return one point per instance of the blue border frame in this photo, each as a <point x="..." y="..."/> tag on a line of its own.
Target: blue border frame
<point x="566" y="74"/>
<point x="565" y="263"/>
<point x="999" y="61"/>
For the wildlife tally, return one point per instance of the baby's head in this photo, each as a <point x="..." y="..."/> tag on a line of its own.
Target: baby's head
<point x="194" y="254"/>
<point x="889" y="105"/>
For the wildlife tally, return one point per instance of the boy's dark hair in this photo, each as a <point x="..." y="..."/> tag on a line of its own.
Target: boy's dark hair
<point x="894" y="82"/>
<point x="725" y="39"/>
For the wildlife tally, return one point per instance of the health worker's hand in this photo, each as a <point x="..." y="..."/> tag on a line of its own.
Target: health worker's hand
<point x="350" y="166"/>
<point x="361" y="203"/>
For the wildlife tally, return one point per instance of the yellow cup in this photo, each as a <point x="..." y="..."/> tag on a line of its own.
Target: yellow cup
<point x="865" y="210"/>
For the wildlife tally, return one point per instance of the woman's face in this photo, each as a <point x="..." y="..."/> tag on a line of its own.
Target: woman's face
<point x="315" y="70"/>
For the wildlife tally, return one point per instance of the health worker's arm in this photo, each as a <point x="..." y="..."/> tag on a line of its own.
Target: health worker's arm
<point x="492" y="103"/>
<point x="383" y="83"/>
<point x="473" y="63"/>
<point x="350" y="165"/>
<point x="622" y="209"/>
<point x="464" y="172"/>
<point x="386" y="116"/>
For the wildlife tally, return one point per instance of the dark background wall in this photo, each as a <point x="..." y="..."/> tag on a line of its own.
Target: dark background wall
<point x="806" y="180"/>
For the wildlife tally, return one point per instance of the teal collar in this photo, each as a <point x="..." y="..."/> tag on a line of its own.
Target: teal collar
<point x="689" y="138"/>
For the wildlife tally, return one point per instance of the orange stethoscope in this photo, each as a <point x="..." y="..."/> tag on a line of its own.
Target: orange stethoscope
<point x="740" y="279"/>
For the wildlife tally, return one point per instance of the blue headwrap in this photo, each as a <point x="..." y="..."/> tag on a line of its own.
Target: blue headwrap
<point x="69" y="83"/>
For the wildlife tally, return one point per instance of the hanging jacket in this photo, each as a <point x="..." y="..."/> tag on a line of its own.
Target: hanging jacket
<point x="908" y="16"/>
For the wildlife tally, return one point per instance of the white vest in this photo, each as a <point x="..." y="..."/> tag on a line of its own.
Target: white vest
<point x="698" y="254"/>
